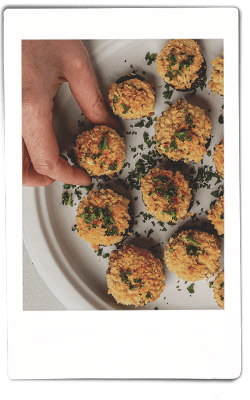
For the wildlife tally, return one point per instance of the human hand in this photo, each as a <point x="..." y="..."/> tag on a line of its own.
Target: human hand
<point x="45" y="65"/>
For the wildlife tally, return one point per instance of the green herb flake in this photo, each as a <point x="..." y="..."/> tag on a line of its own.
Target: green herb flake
<point x="126" y="108"/>
<point x="113" y="167"/>
<point x="191" y="288"/>
<point x="150" y="57"/>
<point x="167" y="95"/>
<point x="150" y="232"/>
<point x="149" y="123"/>
<point x="190" y="239"/>
<point x="140" y="124"/>
<point x="173" y="145"/>
<point x="221" y="119"/>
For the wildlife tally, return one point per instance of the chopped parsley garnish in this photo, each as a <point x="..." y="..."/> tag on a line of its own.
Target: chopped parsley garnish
<point x="183" y="135"/>
<point x="186" y="63"/>
<point x="190" y="239"/>
<point x="99" y="252"/>
<point x="100" y="214"/>
<point x="113" y="167"/>
<point x="137" y="283"/>
<point x="78" y="193"/>
<point x="188" y="119"/>
<point x="74" y="228"/>
<point x="191" y="288"/>
<point x="150" y="57"/>
<point x="148" y="142"/>
<point x="221" y="119"/>
<point x="192" y="250"/>
<point x="142" y="167"/>
<point x="67" y="199"/>
<point x="103" y="144"/>
<point x="204" y="176"/>
<point x="112" y="231"/>
<point x="87" y="188"/>
<point x="126" y="108"/>
<point x="149" y="123"/>
<point x="212" y="204"/>
<point x="140" y="124"/>
<point x="167" y="95"/>
<point x="173" y="145"/>
<point x="172" y="58"/>
<point x="68" y="186"/>
<point x="150" y="232"/>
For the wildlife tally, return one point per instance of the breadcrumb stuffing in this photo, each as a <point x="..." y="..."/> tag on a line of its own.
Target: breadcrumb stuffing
<point x="100" y="151"/>
<point x="193" y="255"/>
<point x="103" y="218"/>
<point x="219" y="289"/>
<point x="182" y="132"/>
<point x="166" y="195"/>
<point x="135" y="276"/>
<point x="216" y="215"/>
<point x="217" y="76"/>
<point x="132" y="99"/>
<point x="179" y="63"/>
<point x="218" y="158"/>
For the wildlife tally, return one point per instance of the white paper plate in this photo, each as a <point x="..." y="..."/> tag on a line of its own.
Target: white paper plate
<point x="68" y="265"/>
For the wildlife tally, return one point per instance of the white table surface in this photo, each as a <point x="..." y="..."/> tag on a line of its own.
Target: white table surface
<point x="36" y="294"/>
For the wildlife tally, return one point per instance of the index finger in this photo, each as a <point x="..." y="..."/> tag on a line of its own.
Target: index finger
<point x="82" y="80"/>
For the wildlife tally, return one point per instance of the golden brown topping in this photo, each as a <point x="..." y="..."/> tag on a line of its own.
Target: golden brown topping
<point x="135" y="276"/>
<point x="132" y="99"/>
<point x="166" y="194"/>
<point x="219" y="289"/>
<point x="218" y="158"/>
<point x="100" y="151"/>
<point x="182" y="132"/>
<point x="179" y="62"/>
<point x="216" y="215"/>
<point x="193" y="255"/>
<point x="103" y="217"/>
<point x="217" y="82"/>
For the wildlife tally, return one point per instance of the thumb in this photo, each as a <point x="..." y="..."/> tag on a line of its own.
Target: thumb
<point x="84" y="87"/>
